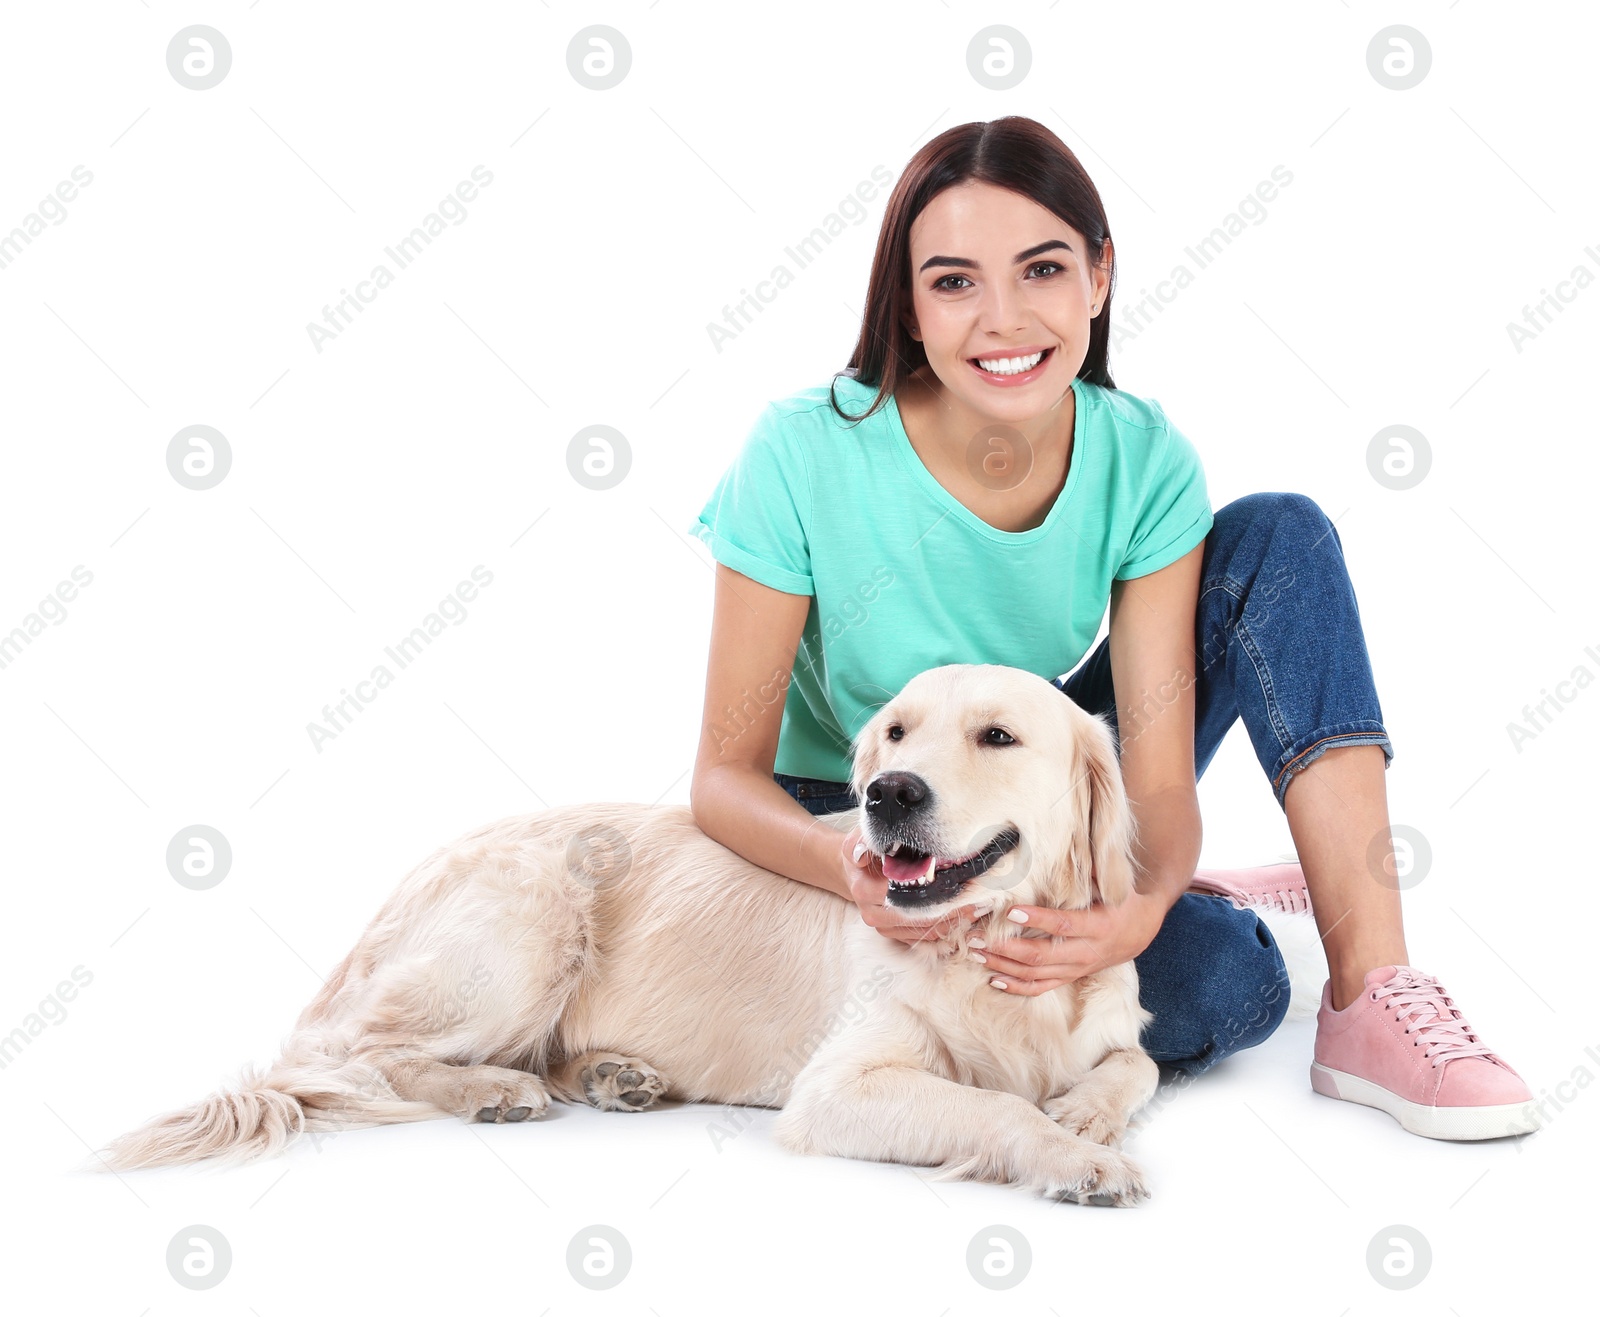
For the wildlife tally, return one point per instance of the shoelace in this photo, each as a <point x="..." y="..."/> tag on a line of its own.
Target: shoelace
<point x="1441" y="1031"/>
<point x="1294" y="901"/>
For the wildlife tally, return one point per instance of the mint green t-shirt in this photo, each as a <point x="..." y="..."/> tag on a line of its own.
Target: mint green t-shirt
<point x="904" y="577"/>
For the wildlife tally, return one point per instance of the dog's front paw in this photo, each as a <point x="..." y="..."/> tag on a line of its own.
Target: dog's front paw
<point x="614" y="1082"/>
<point x="1087" y="1118"/>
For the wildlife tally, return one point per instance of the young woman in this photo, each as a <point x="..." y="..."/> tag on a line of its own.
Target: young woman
<point x="975" y="488"/>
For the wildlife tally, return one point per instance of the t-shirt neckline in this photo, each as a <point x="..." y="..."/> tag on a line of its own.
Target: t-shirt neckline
<point x="942" y="496"/>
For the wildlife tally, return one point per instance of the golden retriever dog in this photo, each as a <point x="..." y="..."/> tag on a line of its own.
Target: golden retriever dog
<point x="583" y="954"/>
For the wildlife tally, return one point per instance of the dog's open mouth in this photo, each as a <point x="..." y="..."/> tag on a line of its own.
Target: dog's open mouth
<point x="917" y="878"/>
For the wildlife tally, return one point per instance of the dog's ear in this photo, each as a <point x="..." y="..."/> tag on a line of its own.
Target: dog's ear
<point x="1112" y="828"/>
<point x="864" y="753"/>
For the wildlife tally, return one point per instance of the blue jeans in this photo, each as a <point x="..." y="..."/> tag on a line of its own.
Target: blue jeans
<point x="1279" y="645"/>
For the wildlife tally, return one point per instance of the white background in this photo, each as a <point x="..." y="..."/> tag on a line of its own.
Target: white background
<point x="369" y="478"/>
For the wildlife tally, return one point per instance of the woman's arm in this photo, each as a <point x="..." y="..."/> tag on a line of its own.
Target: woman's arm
<point x="755" y="632"/>
<point x="1153" y="671"/>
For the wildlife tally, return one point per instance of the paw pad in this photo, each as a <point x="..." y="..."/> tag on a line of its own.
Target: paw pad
<point x="622" y="1084"/>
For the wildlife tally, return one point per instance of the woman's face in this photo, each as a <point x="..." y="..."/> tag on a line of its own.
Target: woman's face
<point x="996" y="276"/>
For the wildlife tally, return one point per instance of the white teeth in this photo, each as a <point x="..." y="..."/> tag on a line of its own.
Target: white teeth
<point x="1011" y="365"/>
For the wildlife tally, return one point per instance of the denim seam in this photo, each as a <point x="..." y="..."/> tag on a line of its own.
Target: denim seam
<point x="1264" y="675"/>
<point x="1320" y="746"/>
<point x="1225" y="582"/>
<point x="1230" y="587"/>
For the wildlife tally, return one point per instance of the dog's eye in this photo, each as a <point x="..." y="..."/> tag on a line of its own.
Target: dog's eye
<point x="998" y="736"/>
<point x="896" y="732"/>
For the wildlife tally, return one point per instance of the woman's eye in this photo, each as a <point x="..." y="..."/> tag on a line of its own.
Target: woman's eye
<point x="944" y="286"/>
<point x="998" y="736"/>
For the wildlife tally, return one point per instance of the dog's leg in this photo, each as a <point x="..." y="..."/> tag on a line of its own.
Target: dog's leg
<point x="893" y="1111"/>
<point x="612" y="1081"/>
<point x="1099" y="1106"/>
<point x="487" y="1093"/>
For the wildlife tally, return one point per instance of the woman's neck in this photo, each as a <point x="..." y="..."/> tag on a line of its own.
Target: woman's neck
<point x="949" y="424"/>
<point x="941" y="432"/>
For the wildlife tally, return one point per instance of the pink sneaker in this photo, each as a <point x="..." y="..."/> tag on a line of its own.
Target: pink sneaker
<point x="1281" y="886"/>
<point x="1403" y="1046"/>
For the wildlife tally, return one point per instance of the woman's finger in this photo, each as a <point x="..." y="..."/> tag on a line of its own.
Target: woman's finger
<point x="1023" y="987"/>
<point x="1004" y="965"/>
<point x="1017" y="969"/>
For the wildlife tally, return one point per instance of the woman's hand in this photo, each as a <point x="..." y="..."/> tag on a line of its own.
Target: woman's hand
<point x="869" y="889"/>
<point x="1080" y="942"/>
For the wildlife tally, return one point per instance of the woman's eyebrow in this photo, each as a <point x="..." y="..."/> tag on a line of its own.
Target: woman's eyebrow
<point x="963" y="263"/>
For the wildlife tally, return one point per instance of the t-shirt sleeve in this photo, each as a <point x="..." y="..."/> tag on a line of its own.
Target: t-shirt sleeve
<point x="1176" y="514"/>
<point x="757" y="516"/>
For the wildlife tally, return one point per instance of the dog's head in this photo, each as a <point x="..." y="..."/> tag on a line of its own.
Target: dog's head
<point x="985" y="783"/>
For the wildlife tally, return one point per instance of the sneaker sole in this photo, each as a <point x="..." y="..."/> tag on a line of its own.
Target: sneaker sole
<point x="1463" y="1123"/>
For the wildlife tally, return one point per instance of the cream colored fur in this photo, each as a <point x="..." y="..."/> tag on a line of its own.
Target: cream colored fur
<point x="615" y="955"/>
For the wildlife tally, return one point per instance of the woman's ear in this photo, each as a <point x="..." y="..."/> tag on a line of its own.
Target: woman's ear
<point x="1111" y="823"/>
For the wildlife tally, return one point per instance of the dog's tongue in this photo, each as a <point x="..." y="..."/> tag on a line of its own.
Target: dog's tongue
<point x="898" y="869"/>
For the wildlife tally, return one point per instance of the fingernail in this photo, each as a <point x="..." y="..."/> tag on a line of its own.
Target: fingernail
<point x="861" y="849"/>
<point x="1017" y="916"/>
<point x="998" y="983"/>
<point x="977" y="957"/>
<point x="976" y="942"/>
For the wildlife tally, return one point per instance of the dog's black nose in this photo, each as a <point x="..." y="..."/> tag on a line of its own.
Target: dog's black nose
<point x="895" y="796"/>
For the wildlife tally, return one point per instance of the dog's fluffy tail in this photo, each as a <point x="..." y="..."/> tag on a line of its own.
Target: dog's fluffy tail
<point x="261" y="1113"/>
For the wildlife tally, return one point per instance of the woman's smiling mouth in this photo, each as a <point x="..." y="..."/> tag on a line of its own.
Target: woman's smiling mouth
<point x="1012" y="369"/>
